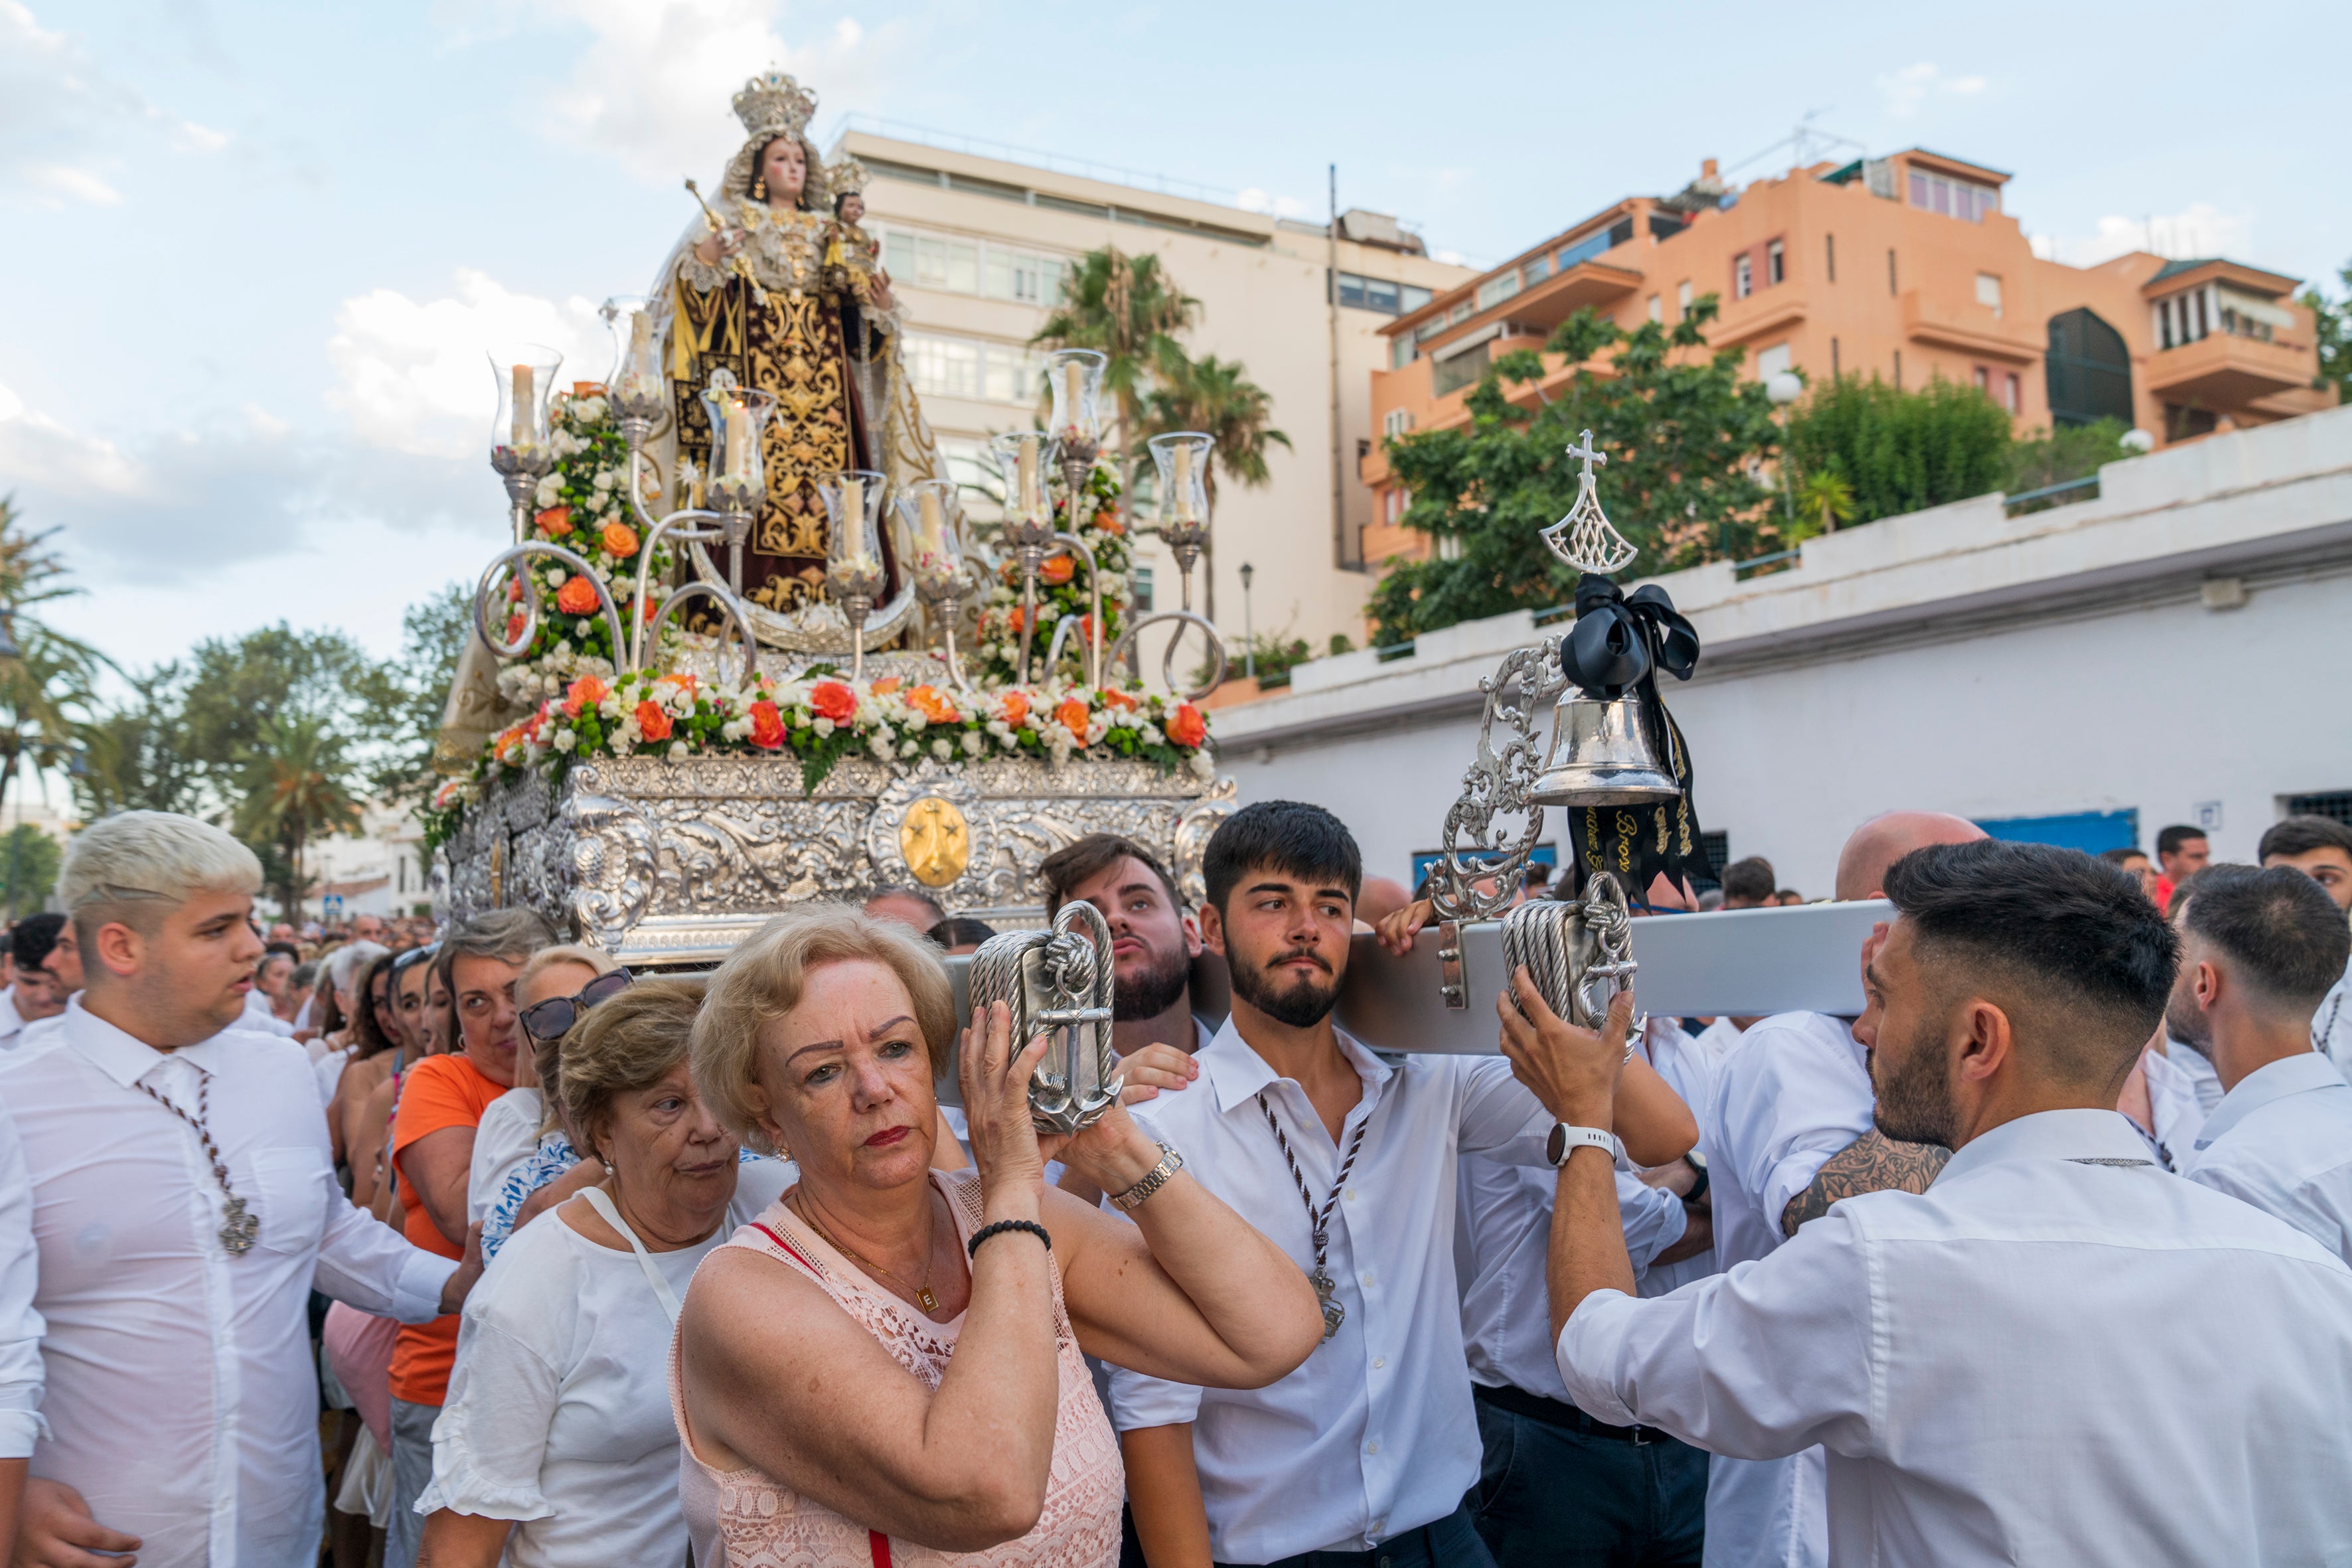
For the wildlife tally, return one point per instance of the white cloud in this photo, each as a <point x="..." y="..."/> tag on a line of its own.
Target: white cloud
<point x="2200" y="229"/>
<point x="65" y="124"/>
<point x="415" y="376"/>
<point x="655" y="82"/>
<point x="1257" y="201"/>
<point x="1904" y="93"/>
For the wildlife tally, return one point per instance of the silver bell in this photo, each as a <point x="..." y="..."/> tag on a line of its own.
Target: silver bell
<point x="1599" y="755"/>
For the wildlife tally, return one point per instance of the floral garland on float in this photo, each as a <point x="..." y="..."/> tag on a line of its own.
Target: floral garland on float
<point x="582" y="505"/>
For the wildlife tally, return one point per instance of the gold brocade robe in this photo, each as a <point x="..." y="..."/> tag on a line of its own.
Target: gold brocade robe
<point x="812" y="341"/>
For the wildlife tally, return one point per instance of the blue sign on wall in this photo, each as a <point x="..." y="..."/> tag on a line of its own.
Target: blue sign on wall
<point x="2089" y="831"/>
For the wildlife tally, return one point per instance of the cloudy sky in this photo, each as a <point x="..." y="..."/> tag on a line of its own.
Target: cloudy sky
<point x="253" y="253"/>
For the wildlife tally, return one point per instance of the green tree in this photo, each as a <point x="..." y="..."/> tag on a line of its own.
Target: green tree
<point x="135" y="755"/>
<point x="47" y="680"/>
<point x="1823" y="502"/>
<point x="1900" y="451"/>
<point x="1216" y="399"/>
<point x="1685" y="433"/>
<point x="2333" y="319"/>
<point x="432" y="635"/>
<point x="295" y="788"/>
<point x="2069" y="452"/>
<point x="1129" y="309"/>
<point x="29" y="858"/>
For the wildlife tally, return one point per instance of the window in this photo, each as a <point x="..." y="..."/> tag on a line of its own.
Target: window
<point x="1393" y="505"/>
<point x="972" y="267"/>
<point x="1396" y="422"/>
<point x="1776" y="263"/>
<point x="2335" y="802"/>
<point x="1682" y="300"/>
<point x="969" y="368"/>
<point x="1461" y="370"/>
<point x="1497" y="288"/>
<point x="1773" y="362"/>
<point x="1953" y="198"/>
<point x="1458" y="314"/>
<point x="1743" y="277"/>
<point x="1139" y="587"/>
<point x="1989" y="291"/>
<point x="1370" y="294"/>
<point x="1829" y="255"/>
<point x="1595" y="244"/>
<point x="1666" y="225"/>
<point x="1657" y="309"/>
<point x="1984" y="381"/>
<point x="1410" y="297"/>
<point x="2010" y="397"/>
<point x="1403" y="353"/>
<point x="1536" y="271"/>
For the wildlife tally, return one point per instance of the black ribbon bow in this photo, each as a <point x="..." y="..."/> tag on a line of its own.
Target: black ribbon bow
<point x="1618" y="644"/>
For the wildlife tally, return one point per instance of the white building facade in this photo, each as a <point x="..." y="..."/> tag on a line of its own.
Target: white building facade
<point x="2172" y="651"/>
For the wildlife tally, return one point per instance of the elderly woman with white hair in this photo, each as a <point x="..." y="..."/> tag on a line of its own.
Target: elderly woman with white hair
<point x="894" y="1354"/>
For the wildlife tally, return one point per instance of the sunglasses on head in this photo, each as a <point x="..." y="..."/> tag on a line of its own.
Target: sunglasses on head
<point x="553" y="1018"/>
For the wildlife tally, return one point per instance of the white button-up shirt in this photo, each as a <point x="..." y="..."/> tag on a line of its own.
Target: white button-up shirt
<point x="181" y="1399"/>
<point x="258" y="1016"/>
<point x="1791" y="1093"/>
<point x="2281" y="1140"/>
<point x="2331" y="1025"/>
<point x="1688" y="1065"/>
<point x="1374" y="1434"/>
<point x="20" y="1324"/>
<point x="1504" y="1244"/>
<point x="2059" y="1353"/>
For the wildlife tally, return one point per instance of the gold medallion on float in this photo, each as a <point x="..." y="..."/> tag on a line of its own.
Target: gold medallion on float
<point x="935" y="841"/>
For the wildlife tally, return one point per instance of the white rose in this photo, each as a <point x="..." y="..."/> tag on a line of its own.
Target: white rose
<point x="972" y="742"/>
<point x="1150" y="734"/>
<point x="676" y="749"/>
<point x="909" y="749"/>
<point x="823" y="727"/>
<point x="604" y="480"/>
<point x="565" y="739"/>
<point x="914" y="719"/>
<point x="878" y="746"/>
<point x="556" y="576"/>
<point x="550" y="491"/>
<point x="1201" y="766"/>
<point x="941" y="750"/>
<point x="1005" y="738"/>
<point x="583" y="626"/>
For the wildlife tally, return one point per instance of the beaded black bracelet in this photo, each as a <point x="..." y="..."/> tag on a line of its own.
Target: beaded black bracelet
<point x="972" y="1247"/>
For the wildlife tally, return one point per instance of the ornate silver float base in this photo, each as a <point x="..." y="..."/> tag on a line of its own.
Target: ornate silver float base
<point x="674" y="862"/>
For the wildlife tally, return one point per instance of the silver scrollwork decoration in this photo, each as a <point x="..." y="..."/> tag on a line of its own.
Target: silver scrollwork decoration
<point x="1497" y="784"/>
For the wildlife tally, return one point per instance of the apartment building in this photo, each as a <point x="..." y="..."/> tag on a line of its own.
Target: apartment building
<point x="976" y="246"/>
<point x="1906" y="269"/>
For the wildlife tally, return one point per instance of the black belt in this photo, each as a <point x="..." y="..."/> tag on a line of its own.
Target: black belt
<point x="1553" y="1412"/>
<point x="1417" y="1546"/>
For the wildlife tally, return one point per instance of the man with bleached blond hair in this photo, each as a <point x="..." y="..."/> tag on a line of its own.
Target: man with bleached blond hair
<point x="181" y="1201"/>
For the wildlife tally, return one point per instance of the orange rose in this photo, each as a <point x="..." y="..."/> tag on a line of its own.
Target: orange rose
<point x="767" y="726"/>
<point x="653" y="721"/>
<point x="554" y="520"/>
<point x="1072" y="715"/>
<point x="584" y="693"/>
<point x="1185" y="726"/>
<point x="682" y="680"/>
<point x="514" y="590"/>
<point x="1016" y="710"/>
<point x="577" y="596"/>
<point x="1056" y="570"/>
<point x="1119" y="699"/>
<point x="1109" y="523"/>
<point x="832" y="700"/>
<point x="618" y="539"/>
<point x="514" y="625"/>
<point x="927" y="700"/>
<point x="887" y="685"/>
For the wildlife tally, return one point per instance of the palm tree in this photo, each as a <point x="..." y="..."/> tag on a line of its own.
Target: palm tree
<point x="1216" y="399"/>
<point x="47" y="679"/>
<point x="296" y="789"/>
<point x="1129" y="309"/>
<point x="1827" y="496"/>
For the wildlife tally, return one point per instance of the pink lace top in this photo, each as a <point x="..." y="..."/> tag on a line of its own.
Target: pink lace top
<point x="743" y="1518"/>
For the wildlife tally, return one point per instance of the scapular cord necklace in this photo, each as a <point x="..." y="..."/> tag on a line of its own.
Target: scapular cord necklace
<point x="1318" y="1225"/>
<point x="239" y="1227"/>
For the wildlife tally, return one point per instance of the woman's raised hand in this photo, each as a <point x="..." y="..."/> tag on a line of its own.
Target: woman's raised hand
<point x="1398" y="927"/>
<point x="996" y="1080"/>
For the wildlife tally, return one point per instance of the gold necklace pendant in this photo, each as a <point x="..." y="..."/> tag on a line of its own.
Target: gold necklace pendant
<point x="930" y="1304"/>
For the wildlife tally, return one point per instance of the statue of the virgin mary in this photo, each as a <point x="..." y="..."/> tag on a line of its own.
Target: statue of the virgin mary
<point x="787" y="295"/>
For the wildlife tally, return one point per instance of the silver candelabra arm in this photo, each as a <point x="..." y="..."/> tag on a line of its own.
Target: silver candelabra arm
<point x="1497" y="782"/>
<point x="728" y="604"/>
<point x="1216" y="650"/>
<point x="517" y="559"/>
<point x="674" y="526"/>
<point x="1095" y="666"/>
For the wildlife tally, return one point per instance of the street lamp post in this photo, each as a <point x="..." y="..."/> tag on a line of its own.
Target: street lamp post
<point x="1783" y="388"/>
<point x="1249" y="637"/>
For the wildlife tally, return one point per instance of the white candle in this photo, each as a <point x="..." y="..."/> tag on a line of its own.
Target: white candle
<point x="1028" y="470"/>
<point x="519" y="437"/>
<point x="930" y="525"/>
<point x="1181" y="483"/>
<point x="641" y="341"/>
<point x="1074" y="383"/>
<point x="853" y="505"/>
<point x="739" y="441"/>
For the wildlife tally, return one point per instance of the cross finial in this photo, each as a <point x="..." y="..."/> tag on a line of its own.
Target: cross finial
<point x="1583" y="451"/>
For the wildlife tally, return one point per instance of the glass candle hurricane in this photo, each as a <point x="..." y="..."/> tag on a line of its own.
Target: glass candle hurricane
<point x="635" y="379"/>
<point x="525" y="373"/>
<point x="1182" y="460"/>
<point x="930" y="513"/>
<point x="1074" y="378"/>
<point x="852" y="512"/>
<point x="738" y="479"/>
<point x="1020" y="458"/>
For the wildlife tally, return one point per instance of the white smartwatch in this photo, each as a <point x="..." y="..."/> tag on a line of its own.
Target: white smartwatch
<point x="1566" y="1140"/>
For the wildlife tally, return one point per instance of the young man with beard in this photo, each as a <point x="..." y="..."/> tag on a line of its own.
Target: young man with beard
<point x="1348" y="1160"/>
<point x="2019" y="1363"/>
<point x="1154" y="939"/>
<point x="29" y="997"/>
<point x="2259" y="949"/>
<point x="2321" y="848"/>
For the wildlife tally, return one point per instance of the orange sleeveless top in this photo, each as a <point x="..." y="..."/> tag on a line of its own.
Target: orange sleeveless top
<point x="744" y="1519"/>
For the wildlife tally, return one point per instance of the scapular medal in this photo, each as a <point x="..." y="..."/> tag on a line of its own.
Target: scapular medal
<point x="238" y="1227"/>
<point x="1334" y="1314"/>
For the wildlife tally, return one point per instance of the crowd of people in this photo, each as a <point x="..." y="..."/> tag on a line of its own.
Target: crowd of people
<point x="389" y="1245"/>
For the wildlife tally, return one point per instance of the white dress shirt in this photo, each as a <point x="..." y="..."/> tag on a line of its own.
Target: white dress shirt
<point x="1374" y="1434"/>
<point x="1505" y="1242"/>
<point x="507" y="1136"/>
<point x="2197" y="1069"/>
<point x="1791" y="1093"/>
<point x="2173" y="1101"/>
<point x="2059" y="1353"/>
<point x="21" y="1328"/>
<point x="1688" y="1065"/>
<point x="12" y="1022"/>
<point x="2331" y="1025"/>
<point x="2281" y="1140"/>
<point x="259" y="1018"/>
<point x="180" y="1398"/>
